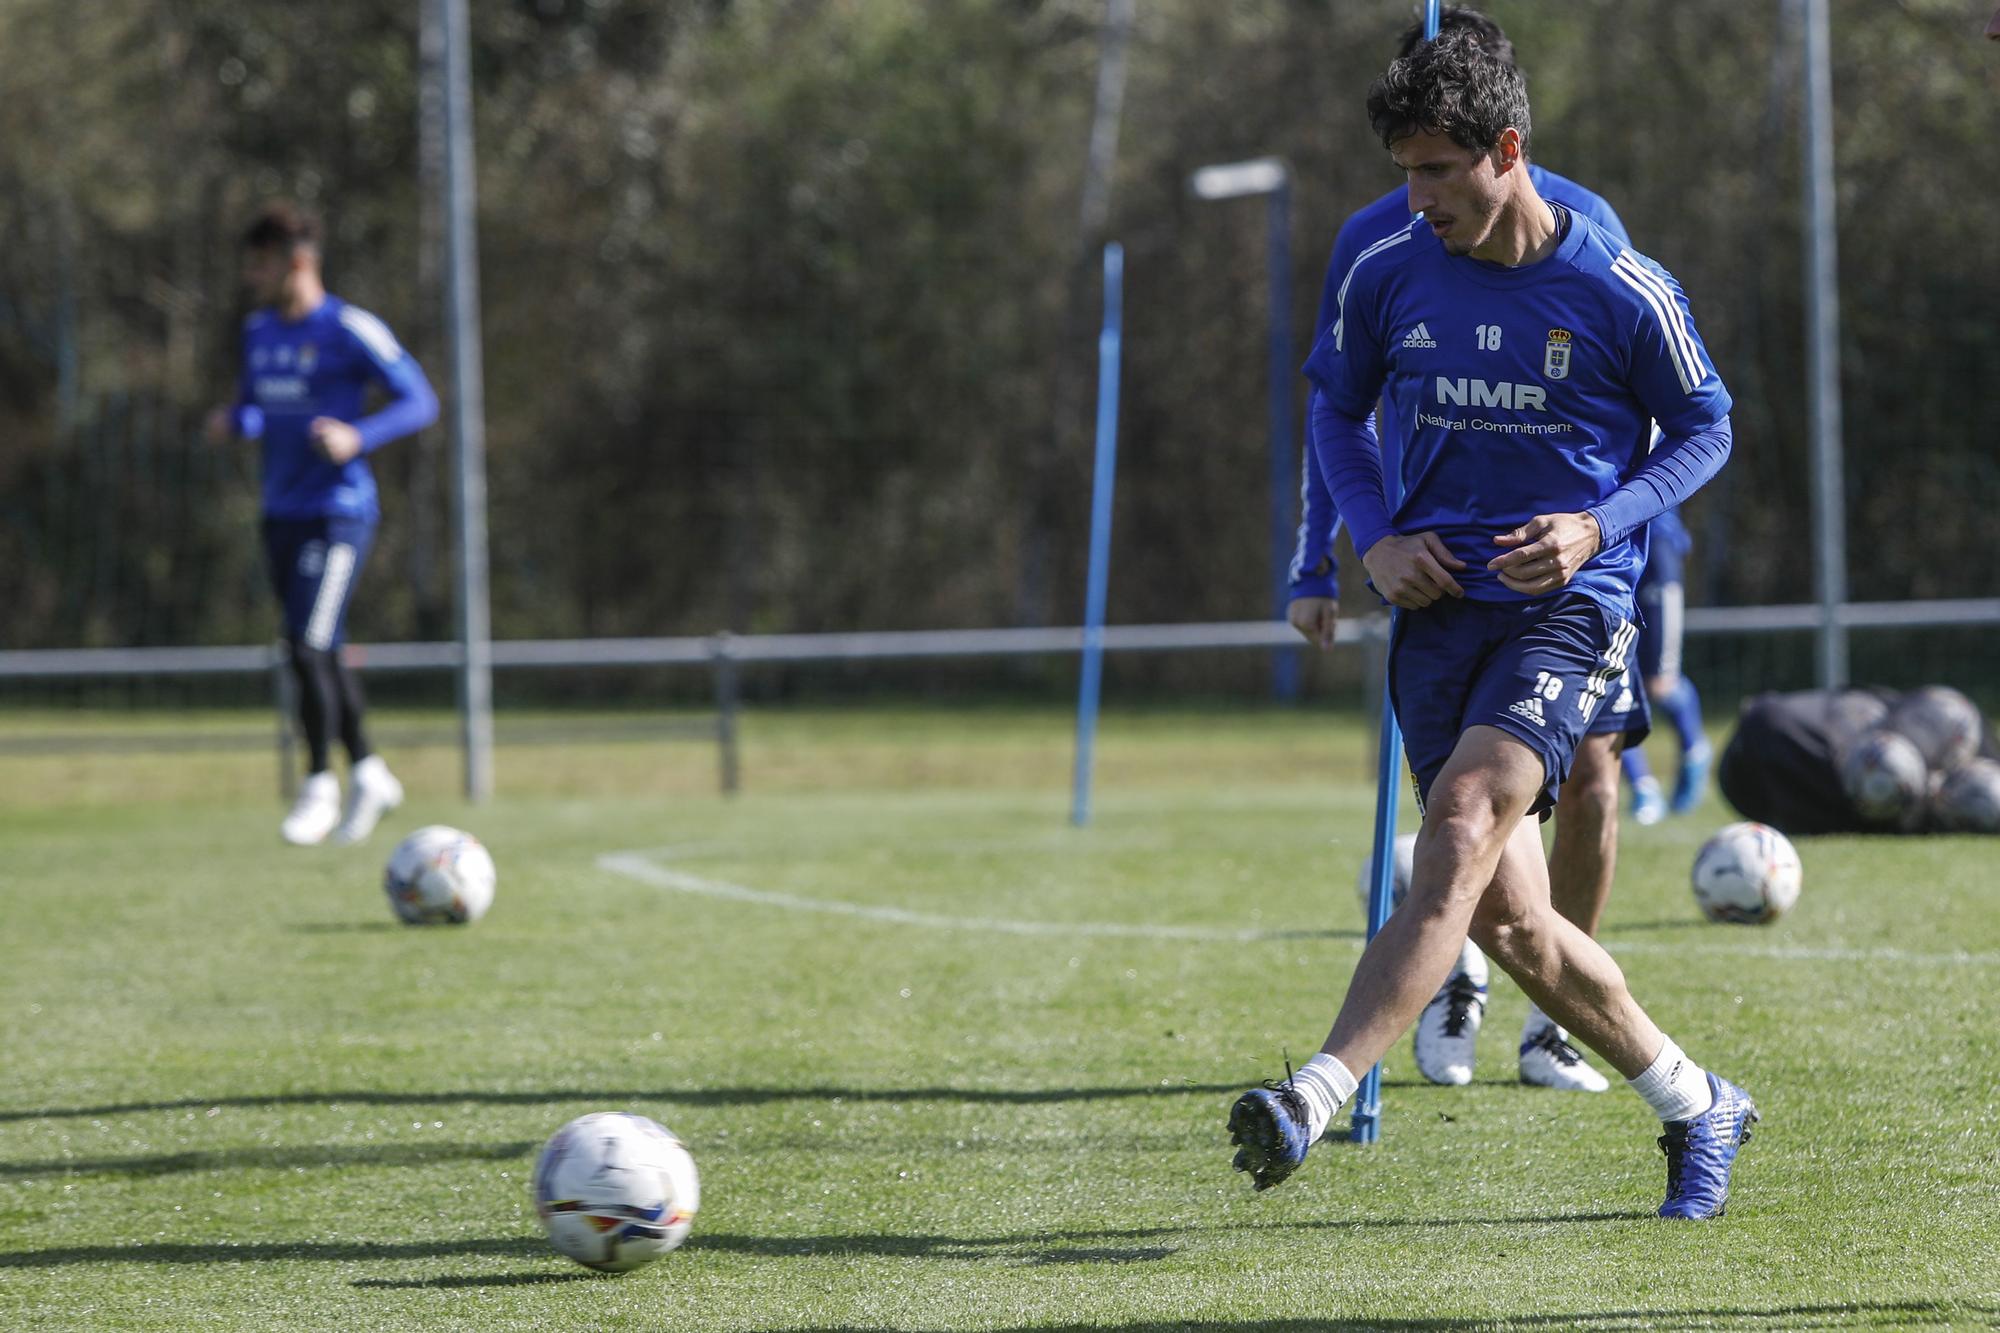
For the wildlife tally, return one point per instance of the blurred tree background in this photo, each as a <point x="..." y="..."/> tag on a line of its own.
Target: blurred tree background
<point x="780" y="295"/>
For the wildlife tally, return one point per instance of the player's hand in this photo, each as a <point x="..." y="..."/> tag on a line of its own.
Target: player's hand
<point x="1413" y="571"/>
<point x="219" y="427"/>
<point x="1314" y="618"/>
<point x="1546" y="553"/>
<point x="336" y="440"/>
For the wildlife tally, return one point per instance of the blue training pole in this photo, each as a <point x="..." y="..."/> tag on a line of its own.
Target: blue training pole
<point x="1100" y="530"/>
<point x="1366" y="1123"/>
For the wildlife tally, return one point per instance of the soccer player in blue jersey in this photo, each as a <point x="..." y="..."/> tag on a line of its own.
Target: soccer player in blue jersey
<point x="310" y="361"/>
<point x="1584" y="856"/>
<point x="1521" y="355"/>
<point x="1662" y="602"/>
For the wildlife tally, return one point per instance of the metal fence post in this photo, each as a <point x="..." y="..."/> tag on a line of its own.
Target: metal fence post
<point x="723" y="659"/>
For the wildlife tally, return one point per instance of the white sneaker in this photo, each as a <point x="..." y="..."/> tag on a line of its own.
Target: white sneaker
<point x="1549" y="1061"/>
<point x="315" y="813"/>
<point x="376" y="792"/>
<point x="1448" y="1029"/>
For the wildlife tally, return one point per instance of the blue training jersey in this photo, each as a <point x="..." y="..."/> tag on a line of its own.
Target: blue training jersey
<point x="1516" y="391"/>
<point x="1312" y="573"/>
<point x="322" y="366"/>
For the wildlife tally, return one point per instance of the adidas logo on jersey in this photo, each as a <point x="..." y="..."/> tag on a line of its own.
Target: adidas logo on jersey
<point x="1419" y="337"/>
<point x="1530" y="708"/>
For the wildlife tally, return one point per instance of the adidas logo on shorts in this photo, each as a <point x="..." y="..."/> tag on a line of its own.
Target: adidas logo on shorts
<point x="1530" y="708"/>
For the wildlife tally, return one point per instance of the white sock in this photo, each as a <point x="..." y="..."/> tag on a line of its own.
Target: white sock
<point x="1472" y="963"/>
<point x="1325" y="1084"/>
<point x="1674" y="1086"/>
<point x="1537" y="1020"/>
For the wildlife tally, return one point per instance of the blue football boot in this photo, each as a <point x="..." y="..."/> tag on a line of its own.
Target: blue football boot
<point x="1693" y="779"/>
<point x="1649" y="803"/>
<point x="1701" y="1151"/>
<point x="1273" y="1130"/>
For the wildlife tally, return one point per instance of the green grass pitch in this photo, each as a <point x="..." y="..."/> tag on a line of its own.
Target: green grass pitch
<point x="945" y="1062"/>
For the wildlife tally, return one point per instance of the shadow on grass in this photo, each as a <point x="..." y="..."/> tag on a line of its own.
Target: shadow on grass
<point x="1061" y="1247"/>
<point x="734" y="1097"/>
<point x="1028" y="1247"/>
<point x="497" y="1280"/>
<point x="346" y="927"/>
<point x="1900" y="1314"/>
<point x="309" y="1157"/>
<point x="264" y="1252"/>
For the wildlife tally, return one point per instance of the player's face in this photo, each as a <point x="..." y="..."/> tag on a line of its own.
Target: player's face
<point x="264" y="273"/>
<point x="1455" y="188"/>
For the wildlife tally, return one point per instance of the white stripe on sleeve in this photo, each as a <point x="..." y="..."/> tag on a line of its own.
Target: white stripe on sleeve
<point x="1680" y="342"/>
<point x="372" y="332"/>
<point x="1340" y="317"/>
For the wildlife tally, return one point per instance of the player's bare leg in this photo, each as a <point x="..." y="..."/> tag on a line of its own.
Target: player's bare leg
<point x="1584" y="854"/>
<point x="1560" y="968"/>
<point x="1475" y="805"/>
<point x="1479" y="866"/>
<point x="1581" y="864"/>
<point x="1705" y="1119"/>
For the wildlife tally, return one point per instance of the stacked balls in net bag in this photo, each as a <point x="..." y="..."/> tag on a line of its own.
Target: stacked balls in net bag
<point x="1918" y="769"/>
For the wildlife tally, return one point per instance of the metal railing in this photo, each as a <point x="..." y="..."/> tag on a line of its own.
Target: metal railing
<point x="725" y="655"/>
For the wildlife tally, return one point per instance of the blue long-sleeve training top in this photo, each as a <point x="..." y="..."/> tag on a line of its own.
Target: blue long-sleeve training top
<point x="323" y="365"/>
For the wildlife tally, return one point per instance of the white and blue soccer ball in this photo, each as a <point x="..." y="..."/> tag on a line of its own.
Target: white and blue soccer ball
<point x="1748" y="874"/>
<point x="1886" y="778"/>
<point x="1942" y="723"/>
<point x="1404" y="856"/>
<point x="1968" y="799"/>
<point x="615" y="1191"/>
<point x="439" y="876"/>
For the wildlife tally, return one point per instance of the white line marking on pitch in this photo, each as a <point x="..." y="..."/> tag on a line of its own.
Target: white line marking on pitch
<point x="644" y="867"/>
<point x="640" y="866"/>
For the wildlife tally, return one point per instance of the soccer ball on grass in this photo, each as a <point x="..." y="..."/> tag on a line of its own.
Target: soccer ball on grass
<point x="1942" y="723"/>
<point x="616" y="1191"/>
<point x="437" y="876"/>
<point x="1748" y="874"/>
<point x="1968" y="800"/>
<point x="1885" y="776"/>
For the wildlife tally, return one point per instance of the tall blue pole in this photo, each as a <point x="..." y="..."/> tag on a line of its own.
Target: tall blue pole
<point x="1284" y="470"/>
<point x="1105" y="477"/>
<point x="1366" y="1123"/>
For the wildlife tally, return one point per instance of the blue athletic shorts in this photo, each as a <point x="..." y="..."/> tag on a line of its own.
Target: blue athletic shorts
<point x="1626" y="712"/>
<point x="1540" y="670"/>
<point x="315" y="563"/>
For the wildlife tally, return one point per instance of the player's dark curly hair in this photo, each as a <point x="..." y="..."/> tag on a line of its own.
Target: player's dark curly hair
<point x="1452" y="18"/>
<point x="1453" y="86"/>
<point x="282" y="226"/>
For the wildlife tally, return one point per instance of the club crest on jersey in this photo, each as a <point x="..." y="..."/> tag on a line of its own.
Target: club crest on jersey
<point x="308" y="358"/>
<point x="1555" y="356"/>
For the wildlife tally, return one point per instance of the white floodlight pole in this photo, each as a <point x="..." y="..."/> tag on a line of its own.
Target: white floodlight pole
<point x="1268" y="176"/>
<point x="468" y="406"/>
<point x="1822" y="275"/>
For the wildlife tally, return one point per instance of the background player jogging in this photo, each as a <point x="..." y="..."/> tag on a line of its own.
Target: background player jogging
<point x="1520" y="355"/>
<point x="309" y="361"/>
<point x="1662" y="606"/>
